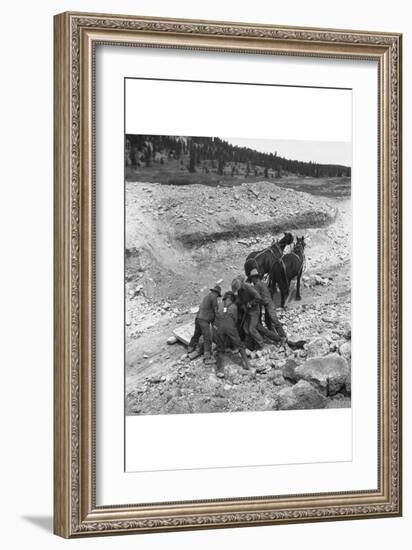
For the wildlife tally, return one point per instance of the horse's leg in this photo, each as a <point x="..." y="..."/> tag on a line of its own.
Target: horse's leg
<point x="284" y="293"/>
<point x="283" y="297"/>
<point x="298" y="296"/>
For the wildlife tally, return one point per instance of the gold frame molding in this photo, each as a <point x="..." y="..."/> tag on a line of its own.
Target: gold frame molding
<point x="75" y="38"/>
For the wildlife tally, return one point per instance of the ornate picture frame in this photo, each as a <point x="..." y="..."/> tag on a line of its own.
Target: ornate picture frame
<point x="76" y="36"/>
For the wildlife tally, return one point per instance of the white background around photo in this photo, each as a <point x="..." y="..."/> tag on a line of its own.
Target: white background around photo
<point x="26" y="275"/>
<point x="233" y="454"/>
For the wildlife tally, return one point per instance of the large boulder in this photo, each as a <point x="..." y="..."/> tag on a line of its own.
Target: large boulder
<point x="328" y="374"/>
<point x="300" y="396"/>
<point x="184" y="333"/>
<point x="318" y="347"/>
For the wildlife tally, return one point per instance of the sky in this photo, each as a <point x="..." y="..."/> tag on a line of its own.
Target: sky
<point x="322" y="152"/>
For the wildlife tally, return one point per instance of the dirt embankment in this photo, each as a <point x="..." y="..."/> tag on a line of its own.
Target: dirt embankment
<point x="180" y="241"/>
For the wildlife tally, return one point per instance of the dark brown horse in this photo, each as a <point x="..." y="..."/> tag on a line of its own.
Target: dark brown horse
<point x="263" y="260"/>
<point x="287" y="268"/>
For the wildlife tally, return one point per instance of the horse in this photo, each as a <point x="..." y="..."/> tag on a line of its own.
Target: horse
<point x="287" y="268"/>
<point x="264" y="260"/>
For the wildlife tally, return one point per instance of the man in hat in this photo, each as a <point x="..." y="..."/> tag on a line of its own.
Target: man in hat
<point x="271" y="318"/>
<point x="204" y="317"/>
<point x="249" y="300"/>
<point x="225" y="332"/>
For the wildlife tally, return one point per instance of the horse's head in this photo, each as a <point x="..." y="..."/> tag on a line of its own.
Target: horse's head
<point x="285" y="240"/>
<point x="299" y="245"/>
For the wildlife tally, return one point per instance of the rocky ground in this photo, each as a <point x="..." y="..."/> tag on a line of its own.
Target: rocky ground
<point x="180" y="240"/>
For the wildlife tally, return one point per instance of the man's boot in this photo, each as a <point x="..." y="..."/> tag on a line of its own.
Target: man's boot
<point x="194" y="354"/>
<point x="245" y="360"/>
<point x="220" y="373"/>
<point x="209" y="359"/>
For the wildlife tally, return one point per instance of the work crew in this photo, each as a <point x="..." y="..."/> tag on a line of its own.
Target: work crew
<point x="271" y="319"/>
<point x="204" y="317"/>
<point x="249" y="300"/>
<point x="225" y="332"/>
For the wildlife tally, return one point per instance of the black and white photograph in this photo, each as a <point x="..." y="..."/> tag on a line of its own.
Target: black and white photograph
<point x="237" y="268"/>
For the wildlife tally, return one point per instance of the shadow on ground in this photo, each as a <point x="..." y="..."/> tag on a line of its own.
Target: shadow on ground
<point x="43" y="522"/>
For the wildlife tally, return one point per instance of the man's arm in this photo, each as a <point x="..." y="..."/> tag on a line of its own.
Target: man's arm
<point x="254" y="295"/>
<point x="214" y="306"/>
<point x="264" y="293"/>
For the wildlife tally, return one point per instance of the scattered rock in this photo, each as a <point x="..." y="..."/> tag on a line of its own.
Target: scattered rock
<point x="231" y="372"/>
<point x="288" y="371"/>
<point x="157" y="379"/>
<point x="319" y="280"/>
<point x="277" y="378"/>
<point x="347" y="331"/>
<point x="265" y="404"/>
<point x="300" y="396"/>
<point x="318" y="347"/>
<point x="172" y="340"/>
<point x="177" y="406"/>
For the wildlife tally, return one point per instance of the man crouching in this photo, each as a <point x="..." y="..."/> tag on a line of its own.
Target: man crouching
<point x="225" y="332"/>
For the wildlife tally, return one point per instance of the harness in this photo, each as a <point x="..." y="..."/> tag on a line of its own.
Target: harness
<point x="301" y="259"/>
<point x="269" y="248"/>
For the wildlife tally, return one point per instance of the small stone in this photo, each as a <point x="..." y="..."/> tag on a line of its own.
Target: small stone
<point x="288" y="370"/>
<point x="172" y="340"/>
<point x="347" y="331"/>
<point x="345" y="350"/>
<point x="318" y="347"/>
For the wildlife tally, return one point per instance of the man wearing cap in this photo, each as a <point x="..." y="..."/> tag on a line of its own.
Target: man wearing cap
<point x="249" y="300"/>
<point x="271" y="318"/>
<point x="225" y="332"/>
<point x="204" y="317"/>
